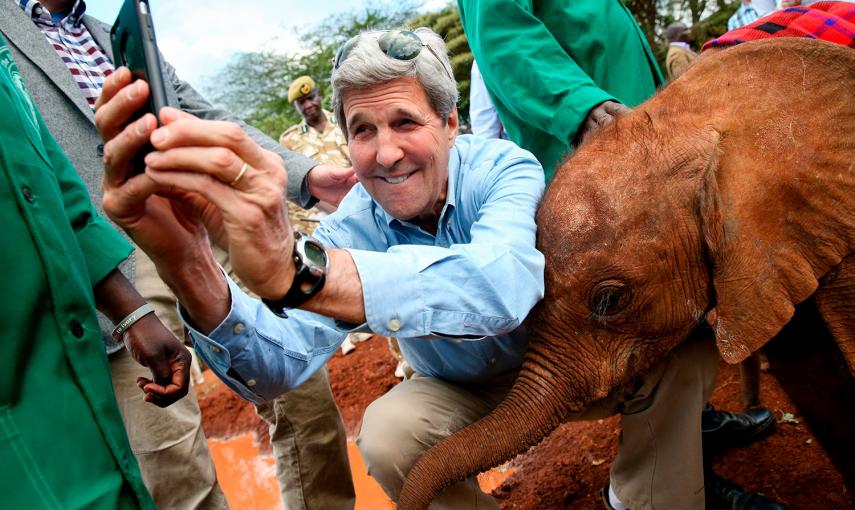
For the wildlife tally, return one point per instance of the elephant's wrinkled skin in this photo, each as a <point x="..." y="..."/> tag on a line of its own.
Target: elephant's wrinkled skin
<point x="727" y="197"/>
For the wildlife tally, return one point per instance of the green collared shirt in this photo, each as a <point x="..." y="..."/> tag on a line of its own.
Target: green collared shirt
<point x="62" y="441"/>
<point x="547" y="63"/>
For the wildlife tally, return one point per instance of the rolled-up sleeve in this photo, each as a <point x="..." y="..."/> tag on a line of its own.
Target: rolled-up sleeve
<point x="102" y="246"/>
<point x="261" y="356"/>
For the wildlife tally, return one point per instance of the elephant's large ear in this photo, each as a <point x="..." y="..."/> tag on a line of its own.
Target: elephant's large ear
<point x="771" y="231"/>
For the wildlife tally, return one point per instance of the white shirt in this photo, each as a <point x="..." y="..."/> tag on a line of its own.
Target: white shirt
<point x="482" y="113"/>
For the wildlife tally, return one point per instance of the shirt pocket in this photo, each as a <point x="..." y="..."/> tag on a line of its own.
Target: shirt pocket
<point x="20" y="474"/>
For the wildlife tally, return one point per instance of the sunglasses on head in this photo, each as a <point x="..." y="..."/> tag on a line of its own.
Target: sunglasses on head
<point x="396" y="44"/>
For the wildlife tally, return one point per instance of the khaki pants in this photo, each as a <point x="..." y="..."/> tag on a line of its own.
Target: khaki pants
<point x="169" y="443"/>
<point x="660" y="459"/>
<point x="310" y="446"/>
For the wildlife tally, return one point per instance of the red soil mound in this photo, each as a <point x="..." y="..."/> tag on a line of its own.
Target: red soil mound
<point x="568" y="469"/>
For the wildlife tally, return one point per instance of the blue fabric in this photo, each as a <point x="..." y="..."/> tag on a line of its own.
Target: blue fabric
<point x="455" y="301"/>
<point x="744" y="15"/>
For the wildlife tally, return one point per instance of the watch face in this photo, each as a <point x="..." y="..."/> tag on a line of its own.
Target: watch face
<point x="315" y="255"/>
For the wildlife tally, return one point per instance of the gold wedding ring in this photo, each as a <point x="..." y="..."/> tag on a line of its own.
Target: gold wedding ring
<point x="240" y="174"/>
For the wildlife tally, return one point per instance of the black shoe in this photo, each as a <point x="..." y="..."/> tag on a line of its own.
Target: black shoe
<point x="722" y="429"/>
<point x="723" y="494"/>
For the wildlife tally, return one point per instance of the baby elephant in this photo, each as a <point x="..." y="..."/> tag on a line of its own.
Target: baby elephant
<point x="728" y="198"/>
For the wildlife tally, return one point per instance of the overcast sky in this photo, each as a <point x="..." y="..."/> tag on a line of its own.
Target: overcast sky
<point x="199" y="37"/>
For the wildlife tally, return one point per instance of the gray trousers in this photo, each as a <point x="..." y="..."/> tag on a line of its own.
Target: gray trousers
<point x="660" y="458"/>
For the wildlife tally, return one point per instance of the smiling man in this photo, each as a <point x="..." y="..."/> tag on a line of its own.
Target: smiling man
<point x="435" y="245"/>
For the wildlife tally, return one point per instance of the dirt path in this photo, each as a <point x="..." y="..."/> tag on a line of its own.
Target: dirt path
<point x="568" y="469"/>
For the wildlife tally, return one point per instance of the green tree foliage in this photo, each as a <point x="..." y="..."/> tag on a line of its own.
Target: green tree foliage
<point x="446" y="22"/>
<point x="254" y="85"/>
<point x="708" y="19"/>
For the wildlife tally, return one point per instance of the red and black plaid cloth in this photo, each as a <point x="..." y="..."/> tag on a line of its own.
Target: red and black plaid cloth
<point x="829" y="21"/>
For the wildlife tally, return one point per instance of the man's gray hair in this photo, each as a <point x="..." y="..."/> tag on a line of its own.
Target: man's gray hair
<point x="366" y="65"/>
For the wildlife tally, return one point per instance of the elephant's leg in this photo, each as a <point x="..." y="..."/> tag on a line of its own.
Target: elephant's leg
<point x="835" y="300"/>
<point x="749" y="375"/>
<point x="806" y="361"/>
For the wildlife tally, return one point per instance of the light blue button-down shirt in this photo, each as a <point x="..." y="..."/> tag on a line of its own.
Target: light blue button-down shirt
<point x="455" y="301"/>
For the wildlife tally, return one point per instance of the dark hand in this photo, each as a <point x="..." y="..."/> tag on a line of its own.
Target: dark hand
<point x="152" y="345"/>
<point x="330" y="183"/>
<point x="600" y="116"/>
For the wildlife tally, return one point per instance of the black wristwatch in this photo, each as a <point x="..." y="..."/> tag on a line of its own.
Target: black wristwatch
<point x="312" y="264"/>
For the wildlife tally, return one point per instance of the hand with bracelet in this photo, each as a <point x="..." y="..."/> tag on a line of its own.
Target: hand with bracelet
<point x="149" y="342"/>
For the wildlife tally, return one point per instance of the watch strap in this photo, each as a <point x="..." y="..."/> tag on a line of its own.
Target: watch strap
<point x="304" y="286"/>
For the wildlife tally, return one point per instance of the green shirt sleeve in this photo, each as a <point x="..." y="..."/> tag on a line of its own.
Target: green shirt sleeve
<point x="526" y="68"/>
<point x="102" y="246"/>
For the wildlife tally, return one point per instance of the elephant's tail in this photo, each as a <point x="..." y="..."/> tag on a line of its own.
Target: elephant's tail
<point x="531" y="410"/>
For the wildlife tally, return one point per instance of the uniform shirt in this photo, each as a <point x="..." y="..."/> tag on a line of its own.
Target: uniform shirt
<point x="548" y="63"/>
<point x="62" y="441"/>
<point x="455" y="300"/>
<point x="679" y="58"/>
<point x="328" y="148"/>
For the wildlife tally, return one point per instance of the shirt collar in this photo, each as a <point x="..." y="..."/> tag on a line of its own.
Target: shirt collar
<point x="450" y="193"/>
<point x="39" y="14"/>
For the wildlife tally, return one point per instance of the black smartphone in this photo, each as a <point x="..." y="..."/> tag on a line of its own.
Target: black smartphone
<point x="135" y="47"/>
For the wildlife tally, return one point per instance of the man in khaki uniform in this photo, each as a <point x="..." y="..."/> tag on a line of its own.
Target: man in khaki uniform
<point x="317" y="136"/>
<point x="680" y="55"/>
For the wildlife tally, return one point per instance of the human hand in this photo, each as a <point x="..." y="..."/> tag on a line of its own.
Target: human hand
<point x="243" y="183"/>
<point x="790" y="3"/>
<point x="152" y="345"/>
<point x="599" y="117"/>
<point x="161" y="227"/>
<point x="168" y="224"/>
<point x="330" y="183"/>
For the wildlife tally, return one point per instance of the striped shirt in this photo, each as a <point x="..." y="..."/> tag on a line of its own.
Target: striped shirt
<point x="85" y="60"/>
<point x="743" y="16"/>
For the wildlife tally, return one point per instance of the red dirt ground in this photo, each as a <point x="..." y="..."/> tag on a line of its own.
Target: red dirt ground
<point x="568" y="469"/>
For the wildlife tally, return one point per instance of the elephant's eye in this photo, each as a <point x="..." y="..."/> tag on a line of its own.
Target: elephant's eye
<point x="608" y="298"/>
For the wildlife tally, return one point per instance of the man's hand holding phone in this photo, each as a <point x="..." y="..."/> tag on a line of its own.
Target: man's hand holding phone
<point x="202" y="174"/>
<point x="166" y="223"/>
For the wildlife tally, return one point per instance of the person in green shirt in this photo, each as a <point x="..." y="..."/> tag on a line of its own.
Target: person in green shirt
<point x="62" y="441"/>
<point x="560" y="71"/>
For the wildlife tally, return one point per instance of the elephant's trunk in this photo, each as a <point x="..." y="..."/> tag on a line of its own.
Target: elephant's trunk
<point x="531" y="410"/>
